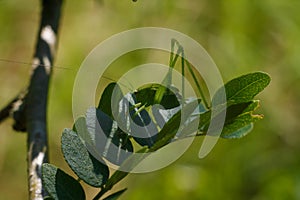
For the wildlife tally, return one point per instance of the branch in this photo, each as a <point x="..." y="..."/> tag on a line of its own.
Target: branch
<point x="29" y="108"/>
<point x="36" y="99"/>
<point x="16" y="110"/>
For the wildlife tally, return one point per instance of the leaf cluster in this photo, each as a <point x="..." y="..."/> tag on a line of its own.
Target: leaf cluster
<point x="79" y="142"/>
<point x="146" y="120"/>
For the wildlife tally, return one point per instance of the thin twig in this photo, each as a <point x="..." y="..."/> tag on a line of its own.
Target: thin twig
<point x="6" y="111"/>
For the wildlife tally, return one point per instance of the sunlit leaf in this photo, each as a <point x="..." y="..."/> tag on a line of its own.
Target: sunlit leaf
<point x="244" y="88"/>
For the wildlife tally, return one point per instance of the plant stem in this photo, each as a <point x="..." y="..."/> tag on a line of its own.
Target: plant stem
<point x="100" y="194"/>
<point x="182" y="79"/>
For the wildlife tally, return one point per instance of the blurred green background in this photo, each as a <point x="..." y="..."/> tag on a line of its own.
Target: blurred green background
<point x="241" y="36"/>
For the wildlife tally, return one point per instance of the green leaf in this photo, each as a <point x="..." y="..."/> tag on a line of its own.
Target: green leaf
<point x="231" y="113"/>
<point x="60" y="185"/>
<point x="236" y="132"/>
<point x="253" y="105"/>
<point x="139" y="120"/>
<point x="115" y="195"/>
<point x="238" y="121"/>
<point x="132" y="116"/>
<point x="86" y="167"/>
<point x="243" y="89"/>
<point x="235" y="110"/>
<point x="242" y="124"/>
<point x="240" y="105"/>
<point x="80" y="128"/>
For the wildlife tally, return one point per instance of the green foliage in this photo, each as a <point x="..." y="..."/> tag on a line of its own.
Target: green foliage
<point x="107" y="129"/>
<point x="60" y="185"/>
<point x="244" y="88"/>
<point x="240" y="104"/>
<point x="242" y="124"/>
<point x="241" y="36"/>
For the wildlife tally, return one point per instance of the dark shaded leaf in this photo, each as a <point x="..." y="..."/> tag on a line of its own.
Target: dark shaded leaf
<point x="60" y="185"/>
<point x="108" y="139"/>
<point x="140" y="122"/>
<point x="235" y="110"/>
<point x="135" y="120"/>
<point x="111" y="96"/>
